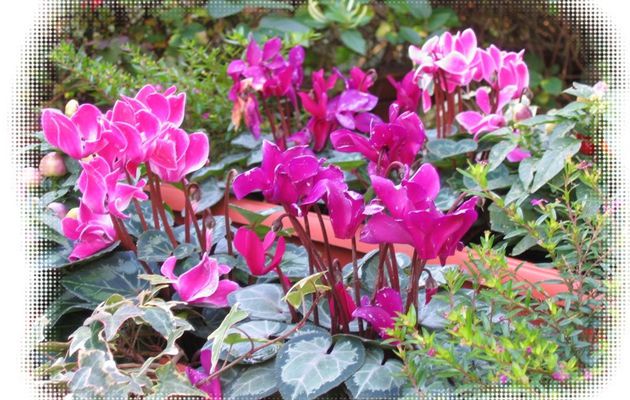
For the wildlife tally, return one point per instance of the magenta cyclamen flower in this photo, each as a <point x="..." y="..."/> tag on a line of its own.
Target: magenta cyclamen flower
<point x="201" y="283"/>
<point x="322" y="120"/>
<point x="266" y="72"/>
<point x="347" y="306"/>
<point x="413" y="217"/>
<point x="345" y="207"/>
<point x="92" y="232"/>
<point x="399" y="140"/>
<point x="383" y="312"/>
<point x="256" y="251"/>
<point x="408" y="92"/>
<point x="213" y="387"/>
<point x="77" y="136"/>
<point x="285" y="177"/>
<point x="176" y="153"/>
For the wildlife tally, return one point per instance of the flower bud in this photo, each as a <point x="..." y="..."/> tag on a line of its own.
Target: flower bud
<point x="31" y="177"/>
<point x="73" y="213"/>
<point x="59" y="209"/>
<point x="521" y="112"/>
<point x="52" y="165"/>
<point x="71" y="107"/>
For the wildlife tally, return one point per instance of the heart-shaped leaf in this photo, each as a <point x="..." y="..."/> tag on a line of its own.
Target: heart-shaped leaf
<point x="262" y="301"/>
<point x="377" y="379"/>
<point x="445" y="148"/>
<point x="154" y="246"/>
<point x="253" y="382"/>
<point x="116" y="273"/>
<point x="307" y="367"/>
<point x="134" y="224"/>
<point x="258" y="331"/>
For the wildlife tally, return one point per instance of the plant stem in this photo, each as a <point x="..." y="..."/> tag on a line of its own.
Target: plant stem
<point x="161" y="211"/>
<point x="417" y="266"/>
<point x="355" y="280"/>
<point x="226" y="202"/>
<point x="311" y="271"/>
<point x="325" y="235"/>
<point x="394" y="263"/>
<point x="285" y="288"/>
<point x="297" y="327"/>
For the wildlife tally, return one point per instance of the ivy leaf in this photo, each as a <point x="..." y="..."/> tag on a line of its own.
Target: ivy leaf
<point x="154" y="246"/>
<point x="353" y="39"/>
<point x="172" y="383"/>
<point x="218" y="336"/>
<point x="262" y="301"/>
<point x="377" y="379"/>
<point x="113" y="322"/>
<point x="253" y="383"/>
<point x="445" y="148"/>
<point x="307" y="367"/>
<point x="498" y="153"/>
<point x="114" y="274"/>
<point x="305" y="286"/>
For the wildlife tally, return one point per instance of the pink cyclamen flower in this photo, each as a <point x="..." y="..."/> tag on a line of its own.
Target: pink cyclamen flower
<point x="316" y="103"/>
<point x="285" y="177"/>
<point x="413" y="217"/>
<point x="382" y="313"/>
<point x="90" y="231"/>
<point x="176" y="154"/>
<point x="560" y="376"/>
<point x="256" y="251"/>
<point x="345" y="207"/>
<point x="77" y="136"/>
<point x="398" y="140"/>
<point x="347" y="306"/>
<point x="213" y="387"/>
<point x="103" y="190"/>
<point x="505" y="72"/>
<point x="201" y="284"/>
<point x="408" y="93"/>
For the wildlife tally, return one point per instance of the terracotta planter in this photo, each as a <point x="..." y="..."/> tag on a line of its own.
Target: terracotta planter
<point x="341" y="248"/>
<point x="173" y="196"/>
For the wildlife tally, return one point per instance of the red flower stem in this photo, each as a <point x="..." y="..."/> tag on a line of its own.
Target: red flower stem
<point x="154" y="204"/>
<point x="285" y="288"/>
<point x="271" y="121"/>
<point x="380" y="275"/>
<point x="438" y="106"/>
<point x="288" y="114"/>
<point x="417" y="266"/>
<point x="285" y="123"/>
<point x="325" y="236"/>
<point x="311" y="270"/>
<point x="161" y="211"/>
<point x="226" y="201"/>
<point x="355" y="280"/>
<point x="460" y="101"/>
<point x="394" y="268"/>
<point x="136" y="204"/>
<point x="191" y="217"/>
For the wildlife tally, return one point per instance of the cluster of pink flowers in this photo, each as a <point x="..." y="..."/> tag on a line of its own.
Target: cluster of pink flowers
<point x="111" y="146"/>
<point x="397" y="141"/>
<point x="266" y="73"/>
<point x="350" y="109"/>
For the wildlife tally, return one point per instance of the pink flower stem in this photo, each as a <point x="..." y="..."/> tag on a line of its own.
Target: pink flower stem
<point x="161" y="211"/>
<point x="325" y="235"/>
<point x="355" y="280"/>
<point x="154" y="204"/>
<point x="394" y="268"/>
<point x="285" y="126"/>
<point x="191" y="217"/>
<point x="417" y="266"/>
<point x="380" y="273"/>
<point x="311" y="270"/>
<point x="271" y="121"/>
<point x="226" y="200"/>
<point x="136" y="204"/>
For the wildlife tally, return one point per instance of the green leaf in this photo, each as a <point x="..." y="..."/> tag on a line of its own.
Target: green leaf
<point x="255" y="217"/>
<point x="347" y="161"/>
<point x="133" y="224"/>
<point x="224" y="8"/>
<point x="410" y="35"/>
<point x="283" y="24"/>
<point x="552" y="85"/>
<point x="154" y="246"/>
<point x="171" y="383"/>
<point x="523" y="245"/>
<point x="59" y="257"/>
<point x="420" y="9"/>
<point x="218" y="336"/>
<point x="526" y="171"/>
<point x="306" y="368"/>
<point x="259" y="331"/>
<point x="183" y="250"/>
<point x="499" y="152"/>
<point x="445" y="198"/>
<point x="553" y="160"/>
<point x="377" y="379"/>
<point x="253" y="383"/>
<point x="116" y="273"/>
<point x="62" y="305"/>
<point x="497" y="179"/>
<point x="305" y="286"/>
<point x="211" y="194"/>
<point x="353" y="39"/>
<point x="516" y="193"/>
<point x="445" y="148"/>
<point x="262" y="301"/>
<point x="98" y="377"/>
<point x="113" y="322"/>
